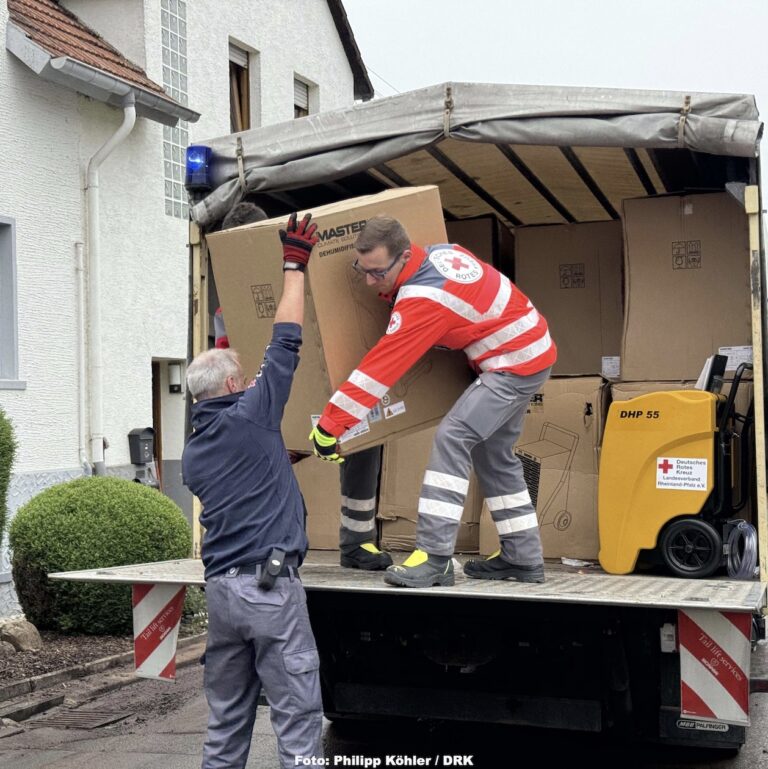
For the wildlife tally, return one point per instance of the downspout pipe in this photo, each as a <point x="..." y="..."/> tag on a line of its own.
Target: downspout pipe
<point x="95" y="357"/>
<point x="82" y="454"/>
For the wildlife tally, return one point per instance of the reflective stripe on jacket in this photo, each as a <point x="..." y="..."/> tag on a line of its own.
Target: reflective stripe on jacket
<point x="445" y="296"/>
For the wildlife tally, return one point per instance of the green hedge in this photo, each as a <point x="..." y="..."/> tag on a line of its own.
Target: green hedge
<point x="7" y="454"/>
<point x="85" y="524"/>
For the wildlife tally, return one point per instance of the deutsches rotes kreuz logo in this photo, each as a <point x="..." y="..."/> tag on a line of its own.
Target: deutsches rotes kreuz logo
<point x="395" y="321"/>
<point x="456" y="265"/>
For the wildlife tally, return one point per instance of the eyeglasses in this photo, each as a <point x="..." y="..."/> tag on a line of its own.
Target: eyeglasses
<point x="376" y="274"/>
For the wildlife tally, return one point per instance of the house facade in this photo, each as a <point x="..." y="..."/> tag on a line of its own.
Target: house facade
<point x="93" y="242"/>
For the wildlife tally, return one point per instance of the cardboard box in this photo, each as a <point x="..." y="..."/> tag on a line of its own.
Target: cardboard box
<point x="487" y="238"/>
<point x="572" y="274"/>
<point x="319" y="484"/>
<point x="489" y="536"/>
<point x="344" y="318"/>
<point x="559" y="452"/>
<point x="687" y="284"/>
<point x="402" y="472"/>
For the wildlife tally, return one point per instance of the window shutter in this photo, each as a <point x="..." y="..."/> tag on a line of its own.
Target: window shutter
<point x="238" y="56"/>
<point x="301" y="95"/>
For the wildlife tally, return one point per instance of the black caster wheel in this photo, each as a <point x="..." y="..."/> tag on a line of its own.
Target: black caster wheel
<point x="691" y="548"/>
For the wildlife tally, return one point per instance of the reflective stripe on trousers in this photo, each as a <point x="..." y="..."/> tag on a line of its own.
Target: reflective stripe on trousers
<point x="359" y="489"/>
<point x="480" y="431"/>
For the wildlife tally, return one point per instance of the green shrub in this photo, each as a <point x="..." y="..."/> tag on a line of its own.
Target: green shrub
<point x="85" y="524"/>
<point x="194" y="614"/>
<point x="7" y="453"/>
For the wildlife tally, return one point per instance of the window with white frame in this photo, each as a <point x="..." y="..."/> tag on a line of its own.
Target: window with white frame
<point x="173" y="14"/>
<point x="9" y="359"/>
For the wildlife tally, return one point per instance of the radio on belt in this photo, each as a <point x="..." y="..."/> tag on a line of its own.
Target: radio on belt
<point x="272" y="569"/>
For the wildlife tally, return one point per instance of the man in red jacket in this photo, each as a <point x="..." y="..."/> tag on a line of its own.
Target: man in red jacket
<point x="443" y="295"/>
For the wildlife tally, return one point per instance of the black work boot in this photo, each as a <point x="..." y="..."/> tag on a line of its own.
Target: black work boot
<point x="421" y="570"/>
<point x="366" y="556"/>
<point x="495" y="567"/>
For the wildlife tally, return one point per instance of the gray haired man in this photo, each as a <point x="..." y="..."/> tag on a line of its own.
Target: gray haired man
<point x="236" y="463"/>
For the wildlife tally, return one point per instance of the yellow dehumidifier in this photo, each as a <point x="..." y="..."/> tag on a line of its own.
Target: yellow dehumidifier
<point x="666" y="481"/>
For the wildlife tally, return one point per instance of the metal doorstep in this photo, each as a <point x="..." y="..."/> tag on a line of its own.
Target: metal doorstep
<point x="80" y="719"/>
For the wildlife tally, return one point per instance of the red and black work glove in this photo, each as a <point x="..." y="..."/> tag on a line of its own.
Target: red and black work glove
<point x="298" y="240"/>
<point x="325" y="446"/>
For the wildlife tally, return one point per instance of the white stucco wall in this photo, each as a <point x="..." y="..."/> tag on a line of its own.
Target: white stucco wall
<point x="51" y="133"/>
<point x="48" y="134"/>
<point x="120" y="22"/>
<point x="293" y="38"/>
<point x="36" y="130"/>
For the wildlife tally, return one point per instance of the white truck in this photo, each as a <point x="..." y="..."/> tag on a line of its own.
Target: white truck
<point x="657" y="657"/>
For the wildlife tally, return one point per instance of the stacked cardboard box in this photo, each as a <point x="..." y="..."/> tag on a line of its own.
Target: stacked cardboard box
<point x="572" y="274"/>
<point x="402" y="473"/>
<point x="559" y="451"/>
<point x="687" y="284"/>
<point x="319" y="484"/>
<point x="487" y="238"/>
<point x="344" y="316"/>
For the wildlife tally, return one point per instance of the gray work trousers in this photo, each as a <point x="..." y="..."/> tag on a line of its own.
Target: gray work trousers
<point x="480" y="431"/>
<point x="359" y="492"/>
<point x="258" y="637"/>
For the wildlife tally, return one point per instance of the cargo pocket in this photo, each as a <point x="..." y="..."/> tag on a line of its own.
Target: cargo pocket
<point x="305" y="661"/>
<point x="303" y="681"/>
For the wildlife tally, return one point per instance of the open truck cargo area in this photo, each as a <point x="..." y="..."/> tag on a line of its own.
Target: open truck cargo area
<point x="585" y="650"/>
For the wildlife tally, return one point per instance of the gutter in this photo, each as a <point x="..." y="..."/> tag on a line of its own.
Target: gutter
<point x="93" y="82"/>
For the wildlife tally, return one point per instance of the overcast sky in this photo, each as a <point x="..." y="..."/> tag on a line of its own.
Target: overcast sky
<point x="700" y="45"/>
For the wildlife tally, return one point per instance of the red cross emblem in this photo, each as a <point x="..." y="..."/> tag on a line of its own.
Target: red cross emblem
<point x="665" y="466"/>
<point x="457" y="263"/>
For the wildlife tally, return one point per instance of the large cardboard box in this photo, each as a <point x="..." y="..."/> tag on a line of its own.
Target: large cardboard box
<point x="489" y="536"/>
<point x="319" y="484"/>
<point x="687" y="284"/>
<point x="402" y="472"/>
<point x="487" y="238"/>
<point x="559" y="451"/>
<point x="344" y="318"/>
<point x="572" y="274"/>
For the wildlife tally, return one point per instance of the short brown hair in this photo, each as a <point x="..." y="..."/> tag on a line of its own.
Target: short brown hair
<point x="383" y="231"/>
<point x="244" y="212"/>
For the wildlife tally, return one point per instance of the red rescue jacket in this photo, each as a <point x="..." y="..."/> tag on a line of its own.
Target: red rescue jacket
<point x="445" y="296"/>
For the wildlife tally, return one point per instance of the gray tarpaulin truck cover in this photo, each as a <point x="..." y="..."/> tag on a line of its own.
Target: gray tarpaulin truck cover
<point x="335" y="144"/>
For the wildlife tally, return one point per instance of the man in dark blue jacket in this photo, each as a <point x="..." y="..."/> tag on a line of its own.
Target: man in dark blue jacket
<point x="236" y="463"/>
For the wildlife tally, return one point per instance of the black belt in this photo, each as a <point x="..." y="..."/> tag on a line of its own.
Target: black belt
<point x="257" y="568"/>
<point x="290" y="567"/>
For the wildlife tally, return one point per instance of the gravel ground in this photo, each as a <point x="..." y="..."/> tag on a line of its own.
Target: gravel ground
<point x="60" y="651"/>
<point x="65" y="651"/>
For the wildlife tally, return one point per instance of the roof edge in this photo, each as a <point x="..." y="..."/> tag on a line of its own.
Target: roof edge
<point x="93" y="82"/>
<point x="363" y="88"/>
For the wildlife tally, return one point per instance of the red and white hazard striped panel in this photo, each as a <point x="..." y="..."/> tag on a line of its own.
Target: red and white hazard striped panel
<point x="714" y="665"/>
<point x="156" y="618"/>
